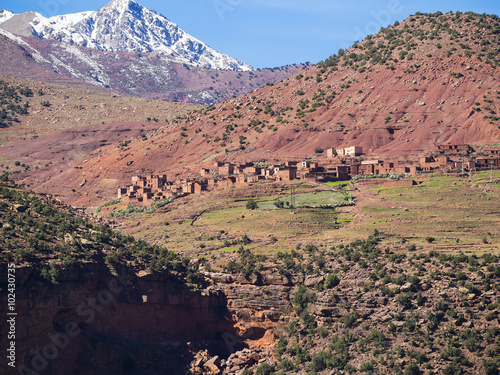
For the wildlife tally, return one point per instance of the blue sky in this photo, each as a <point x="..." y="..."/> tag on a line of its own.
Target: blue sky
<point x="269" y="33"/>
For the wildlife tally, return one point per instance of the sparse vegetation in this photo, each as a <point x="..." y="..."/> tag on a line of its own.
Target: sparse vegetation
<point x="50" y="240"/>
<point x="11" y="106"/>
<point x="419" y="295"/>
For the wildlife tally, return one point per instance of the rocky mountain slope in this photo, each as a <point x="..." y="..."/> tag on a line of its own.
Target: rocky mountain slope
<point x="430" y="80"/>
<point x="122" y="26"/>
<point x="58" y="253"/>
<point x="109" y="303"/>
<point x="31" y="109"/>
<point x="128" y="49"/>
<point x="148" y="75"/>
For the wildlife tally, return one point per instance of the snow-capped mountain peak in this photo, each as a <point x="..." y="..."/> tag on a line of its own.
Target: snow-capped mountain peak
<point x="127" y="26"/>
<point x="5" y="15"/>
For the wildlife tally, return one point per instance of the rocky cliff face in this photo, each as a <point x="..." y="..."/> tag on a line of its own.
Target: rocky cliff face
<point x="95" y="321"/>
<point x="100" y="320"/>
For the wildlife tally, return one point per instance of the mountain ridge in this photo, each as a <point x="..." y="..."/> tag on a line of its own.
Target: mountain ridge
<point x="122" y="26"/>
<point x="148" y="75"/>
<point x="394" y="109"/>
<point x="128" y="49"/>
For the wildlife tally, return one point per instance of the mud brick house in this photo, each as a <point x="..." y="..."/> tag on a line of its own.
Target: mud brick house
<point x="211" y="183"/>
<point x="252" y="170"/>
<point x="291" y="164"/>
<point x="200" y="186"/>
<point x="379" y="167"/>
<point x="245" y="179"/>
<point x="331" y="153"/>
<point x="307" y="170"/>
<point x="350" y="151"/>
<point x="253" y="179"/>
<point x="484" y="163"/>
<point x="152" y="181"/>
<point x="463" y="164"/>
<point x="285" y="173"/>
<point x="491" y="151"/>
<point x="224" y="169"/>
<point x="428" y="163"/>
<point x="204" y="172"/>
<point x="366" y="167"/>
<point x="332" y="173"/>
<point x="188" y="188"/>
<point x="308" y="165"/>
<point x="385" y="168"/>
<point x="407" y="169"/>
<point x="343" y="172"/>
<point x="227" y="182"/>
<point x="454" y="149"/>
<point x="122" y="192"/>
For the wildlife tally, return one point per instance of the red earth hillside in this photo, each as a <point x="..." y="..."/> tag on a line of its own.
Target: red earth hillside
<point x="430" y="80"/>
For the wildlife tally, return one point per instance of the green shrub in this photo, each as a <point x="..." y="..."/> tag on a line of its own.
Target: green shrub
<point x="412" y="369"/>
<point x="264" y="369"/>
<point x="349" y="319"/>
<point x="251" y="205"/>
<point x="331" y="281"/>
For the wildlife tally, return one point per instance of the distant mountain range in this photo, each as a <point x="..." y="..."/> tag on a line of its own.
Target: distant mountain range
<point x="122" y="26"/>
<point x="130" y="49"/>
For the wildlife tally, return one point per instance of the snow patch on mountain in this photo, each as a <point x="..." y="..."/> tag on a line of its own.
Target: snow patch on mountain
<point x="127" y="26"/>
<point x="5" y="15"/>
<point x="34" y="53"/>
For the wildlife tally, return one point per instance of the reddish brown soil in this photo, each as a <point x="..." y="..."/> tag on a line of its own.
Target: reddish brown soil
<point x="395" y="111"/>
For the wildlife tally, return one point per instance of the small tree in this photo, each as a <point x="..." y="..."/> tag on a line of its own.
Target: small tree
<point x="251" y="205"/>
<point x="331" y="281"/>
<point x="264" y="369"/>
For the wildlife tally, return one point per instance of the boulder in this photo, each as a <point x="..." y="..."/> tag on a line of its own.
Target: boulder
<point x="211" y="365"/>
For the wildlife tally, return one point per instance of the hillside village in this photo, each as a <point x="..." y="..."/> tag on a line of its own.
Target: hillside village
<point x="337" y="219"/>
<point x="341" y="165"/>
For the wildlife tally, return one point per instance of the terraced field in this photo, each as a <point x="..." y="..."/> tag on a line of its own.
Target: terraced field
<point x="443" y="213"/>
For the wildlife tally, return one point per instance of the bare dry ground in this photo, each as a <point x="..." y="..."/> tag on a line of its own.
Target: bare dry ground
<point x="66" y="107"/>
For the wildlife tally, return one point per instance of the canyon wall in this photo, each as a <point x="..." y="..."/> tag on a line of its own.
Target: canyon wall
<point x="100" y="320"/>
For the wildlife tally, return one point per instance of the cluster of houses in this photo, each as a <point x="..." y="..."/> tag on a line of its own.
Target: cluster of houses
<point x="340" y="165"/>
<point x="149" y="189"/>
<point x="461" y="158"/>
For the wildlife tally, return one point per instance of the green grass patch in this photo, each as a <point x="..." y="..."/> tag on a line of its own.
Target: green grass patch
<point x="229" y="249"/>
<point x="447" y="208"/>
<point x="133" y="211"/>
<point x="318" y="199"/>
<point x="345" y="219"/>
<point x="337" y="184"/>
